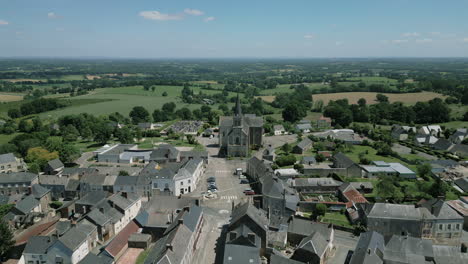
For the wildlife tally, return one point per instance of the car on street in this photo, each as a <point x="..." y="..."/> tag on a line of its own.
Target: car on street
<point x="211" y="179"/>
<point x="212" y="189"/>
<point x="249" y="192"/>
<point x="244" y="181"/>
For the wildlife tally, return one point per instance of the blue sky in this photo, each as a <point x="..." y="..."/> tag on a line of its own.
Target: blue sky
<point x="217" y="28"/>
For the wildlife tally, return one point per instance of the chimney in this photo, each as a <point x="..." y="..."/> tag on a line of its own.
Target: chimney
<point x="368" y="251"/>
<point x="169" y="247"/>
<point x="124" y="194"/>
<point x="101" y="210"/>
<point x="187" y="209"/>
<point x="180" y="221"/>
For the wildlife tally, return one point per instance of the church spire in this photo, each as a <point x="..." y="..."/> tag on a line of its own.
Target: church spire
<point x="238" y="106"/>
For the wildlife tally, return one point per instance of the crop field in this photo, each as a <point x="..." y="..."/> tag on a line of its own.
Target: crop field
<point x="353" y="97"/>
<point x="285" y="88"/>
<point x="123" y="99"/>
<point x="10" y="97"/>
<point x="22" y="80"/>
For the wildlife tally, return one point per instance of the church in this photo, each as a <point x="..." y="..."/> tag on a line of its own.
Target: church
<point x="239" y="133"/>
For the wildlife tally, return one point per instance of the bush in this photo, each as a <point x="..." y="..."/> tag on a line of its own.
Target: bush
<point x="286" y="160"/>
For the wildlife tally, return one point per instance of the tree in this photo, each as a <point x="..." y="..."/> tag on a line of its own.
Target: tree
<point x="125" y="135"/>
<point x="123" y="173"/>
<point x="6" y="236"/>
<point x="103" y="133"/>
<point x="164" y="94"/>
<point x="139" y="115"/>
<point x="86" y="133"/>
<point x="169" y="108"/>
<point x="381" y="98"/>
<point x="70" y="133"/>
<point x="53" y="143"/>
<point x="159" y="116"/>
<point x="153" y="88"/>
<point x="14" y="113"/>
<point x="286" y="148"/>
<point x="40" y="156"/>
<point x="294" y="112"/>
<point x="184" y="113"/>
<point x="25" y="126"/>
<point x="68" y="153"/>
<point x="424" y="170"/>
<point x="385" y="187"/>
<point x="287" y="160"/>
<point x="319" y="158"/>
<point x="320" y="210"/>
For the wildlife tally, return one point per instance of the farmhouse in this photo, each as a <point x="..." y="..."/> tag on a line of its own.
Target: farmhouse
<point x="302" y="146"/>
<point x="10" y="163"/>
<point x="278" y="130"/>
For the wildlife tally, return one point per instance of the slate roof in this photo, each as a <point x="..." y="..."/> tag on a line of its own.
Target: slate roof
<point x="316" y="182"/>
<point x="344" y="160"/>
<point x="164" y="151"/>
<point x="120" y="201"/>
<point x="441" y="209"/>
<point x="73" y="238"/>
<point x="460" y="149"/>
<point x="314" y="243"/>
<point x="53" y="180"/>
<point x="38" y="245"/>
<point x="62" y="227"/>
<point x="308" y="160"/>
<point x="39" y="191"/>
<point x="398" y="211"/>
<point x="276" y="259"/>
<point x="96" y="259"/>
<point x="369" y="249"/>
<point x="7" y="158"/>
<point x="303" y="127"/>
<point x="306" y="142"/>
<point x="278" y="128"/>
<point x="189" y="218"/>
<point x="234" y="254"/>
<point x="72" y="185"/>
<point x="97" y="217"/>
<point x="256" y="215"/>
<point x="462" y="183"/>
<point x="306" y="227"/>
<point x="17" y="177"/>
<point x="442" y="144"/>
<point x="26" y="205"/>
<point x="177" y="238"/>
<point x="55" y="164"/>
<point x="459" y="206"/>
<point x="92" y="198"/>
<point x="408" y="249"/>
<point x="126" y="180"/>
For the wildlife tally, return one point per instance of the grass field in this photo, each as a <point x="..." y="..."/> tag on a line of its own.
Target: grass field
<point x="123" y="99"/>
<point x="336" y="218"/>
<point x="22" y="80"/>
<point x="6" y="138"/>
<point x="285" y="88"/>
<point x="5" y="97"/>
<point x="372" y="155"/>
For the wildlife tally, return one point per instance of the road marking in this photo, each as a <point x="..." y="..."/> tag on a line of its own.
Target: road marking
<point x="229" y="197"/>
<point x="222" y="171"/>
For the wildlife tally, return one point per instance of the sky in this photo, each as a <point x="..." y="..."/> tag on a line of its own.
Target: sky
<point x="233" y="29"/>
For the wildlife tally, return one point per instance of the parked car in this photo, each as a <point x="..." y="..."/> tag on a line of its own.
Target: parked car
<point x="244" y="181"/>
<point x="249" y="192"/>
<point x="212" y="188"/>
<point x="211" y="179"/>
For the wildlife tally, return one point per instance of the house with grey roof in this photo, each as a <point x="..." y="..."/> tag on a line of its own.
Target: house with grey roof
<point x="278" y="130"/>
<point x="17" y="182"/>
<point x="351" y="169"/>
<point x="442" y="144"/>
<point x="36" y="249"/>
<point x="303" y="127"/>
<point x="460" y="150"/>
<point x="54" y="167"/>
<point x="279" y="199"/>
<point x="257" y="169"/>
<point x="115" y="153"/>
<point x="433" y="220"/>
<point x="315" y="185"/>
<point x="402" y="132"/>
<point x="71" y="248"/>
<point x="302" y="146"/>
<point x="269" y="153"/>
<point x="314" y="248"/>
<point x="382" y="168"/>
<point x="369" y="249"/>
<point x="462" y="184"/>
<point x="10" y="163"/>
<point x="301" y="228"/>
<point x="180" y="240"/>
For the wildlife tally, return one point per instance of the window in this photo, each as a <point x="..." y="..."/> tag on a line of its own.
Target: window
<point x="155" y="185"/>
<point x="449" y="226"/>
<point x="457" y="227"/>
<point x="189" y="181"/>
<point x="181" y="183"/>
<point x="441" y="227"/>
<point x="237" y="141"/>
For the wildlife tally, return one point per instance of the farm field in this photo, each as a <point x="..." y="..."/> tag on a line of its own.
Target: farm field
<point x="123" y="99"/>
<point x="353" y="97"/>
<point x="5" y="97"/>
<point x="285" y="88"/>
<point x="23" y="80"/>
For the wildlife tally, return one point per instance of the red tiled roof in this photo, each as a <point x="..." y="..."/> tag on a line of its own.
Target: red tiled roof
<point x="353" y="196"/>
<point x="36" y="231"/>
<point x="121" y="239"/>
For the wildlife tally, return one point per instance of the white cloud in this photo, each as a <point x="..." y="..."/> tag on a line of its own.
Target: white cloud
<point x="411" y="34"/>
<point x="436" y="33"/>
<point x="425" y="40"/>
<point x="465" y="40"/>
<point x="3" y="22"/>
<point x="52" y="15"/>
<point x="208" y="19"/>
<point x="338" y="43"/>
<point x="399" y="41"/>
<point x="309" y="36"/>
<point x="193" y="12"/>
<point x="156" y="15"/>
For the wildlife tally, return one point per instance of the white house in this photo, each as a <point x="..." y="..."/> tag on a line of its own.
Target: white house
<point x="278" y="130"/>
<point x="430" y="130"/>
<point x="178" y="179"/>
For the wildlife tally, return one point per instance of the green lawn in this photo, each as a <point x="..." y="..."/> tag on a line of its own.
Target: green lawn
<point x="143" y="255"/>
<point x="6" y="138"/>
<point x="372" y="155"/>
<point x="285" y="88"/>
<point x="336" y="218"/>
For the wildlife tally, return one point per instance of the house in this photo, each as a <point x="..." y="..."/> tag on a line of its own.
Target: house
<point x="461" y="208"/>
<point x="72" y="247"/>
<point x="314" y="249"/>
<point x="308" y="160"/>
<point x="403" y="249"/>
<point x="340" y="160"/>
<point x="363" y="187"/>
<point x="382" y="168"/>
<point x="126" y="184"/>
<point x="353" y="198"/>
<point x="369" y="249"/>
<point x="462" y="183"/>
<point x="149" y="126"/>
<point x="346" y="135"/>
<point x="278" y="130"/>
<point x="239" y="133"/>
<point x="442" y="144"/>
<point x="278" y="259"/>
<point x="208" y="132"/>
<point x="112" y="154"/>
<point x="180" y="240"/>
<point x="36" y="249"/>
<point x="459" y="135"/>
<point x="302" y="146"/>
<point x="160" y="212"/>
<point x="402" y="132"/>
<point x="176" y="178"/>
<point x="43" y="195"/>
<point x="460" y="150"/>
<point x="247" y="232"/>
<point x="315" y="185"/>
<point x="97" y="182"/>
<point x="433" y="220"/>
<point x="258" y="169"/>
<point x="269" y="153"/>
<point x="324" y="122"/>
<point x="278" y="199"/>
<point x="25" y="211"/>
<point x="119" y="243"/>
<point x="17" y="182"/>
<point x="432" y="130"/>
<point x="303" y="127"/>
<point x="300" y="228"/>
<point x="54" y="167"/>
<point x="9" y="163"/>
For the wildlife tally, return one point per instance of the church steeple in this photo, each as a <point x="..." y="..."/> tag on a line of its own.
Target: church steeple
<point x="238" y="106"/>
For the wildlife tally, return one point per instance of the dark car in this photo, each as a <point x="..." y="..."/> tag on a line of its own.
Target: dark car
<point x="211" y="179"/>
<point x="212" y="188"/>
<point x="244" y="181"/>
